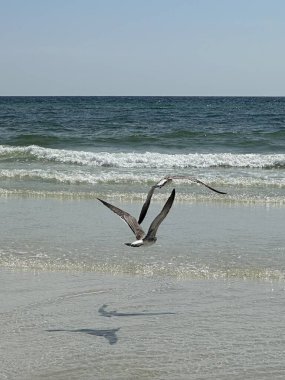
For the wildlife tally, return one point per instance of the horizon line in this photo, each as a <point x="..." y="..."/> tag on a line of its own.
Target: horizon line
<point x="148" y="96"/>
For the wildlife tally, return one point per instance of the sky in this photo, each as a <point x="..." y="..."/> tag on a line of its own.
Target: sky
<point x="142" y="47"/>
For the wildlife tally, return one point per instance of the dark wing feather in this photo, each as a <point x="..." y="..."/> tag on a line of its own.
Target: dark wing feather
<point x="146" y="205"/>
<point x="129" y="219"/>
<point x="157" y="221"/>
<point x="164" y="181"/>
<point x="209" y="187"/>
<point x="198" y="181"/>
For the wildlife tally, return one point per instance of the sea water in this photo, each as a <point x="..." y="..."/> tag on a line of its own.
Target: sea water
<point x="218" y="264"/>
<point x="84" y="146"/>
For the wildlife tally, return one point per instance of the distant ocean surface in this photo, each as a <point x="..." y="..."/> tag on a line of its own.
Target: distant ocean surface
<point x="88" y="146"/>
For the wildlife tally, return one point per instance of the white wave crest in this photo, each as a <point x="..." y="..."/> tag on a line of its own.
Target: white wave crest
<point x="76" y="177"/>
<point x="145" y="160"/>
<point x="116" y="177"/>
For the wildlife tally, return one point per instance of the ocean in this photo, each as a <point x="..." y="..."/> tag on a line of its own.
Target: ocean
<point x="205" y="302"/>
<point x="81" y="146"/>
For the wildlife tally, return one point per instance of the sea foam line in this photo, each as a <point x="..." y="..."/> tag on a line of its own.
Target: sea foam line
<point x="13" y="261"/>
<point x="143" y="160"/>
<point x="115" y="177"/>
<point x="247" y="199"/>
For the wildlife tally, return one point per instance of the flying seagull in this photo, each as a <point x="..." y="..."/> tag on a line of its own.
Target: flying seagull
<point x="170" y="178"/>
<point x="142" y="238"/>
<point x="161" y="183"/>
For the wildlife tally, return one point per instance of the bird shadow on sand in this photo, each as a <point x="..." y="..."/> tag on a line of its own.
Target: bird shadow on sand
<point x="109" y="334"/>
<point x="114" y="313"/>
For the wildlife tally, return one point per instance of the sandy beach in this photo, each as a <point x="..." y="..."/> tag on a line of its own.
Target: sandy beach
<point x="58" y="325"/>
<point x="205" y="302"/>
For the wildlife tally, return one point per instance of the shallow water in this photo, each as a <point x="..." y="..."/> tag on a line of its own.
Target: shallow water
<point x="199" y="240"/>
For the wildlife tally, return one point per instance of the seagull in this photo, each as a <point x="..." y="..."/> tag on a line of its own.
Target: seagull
<point x="142" y="238"/>
<point x="169" y="179"/>
<point x="163" y="182"/>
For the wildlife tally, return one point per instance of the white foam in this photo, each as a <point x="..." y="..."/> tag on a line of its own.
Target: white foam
<point x="147" y="159"/>
<point x="72" y="177"/>
<point x="86" y="177"/>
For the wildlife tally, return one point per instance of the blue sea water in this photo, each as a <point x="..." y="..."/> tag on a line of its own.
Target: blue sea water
<point x="79" y="145"/>
<point x="158" y="124"/>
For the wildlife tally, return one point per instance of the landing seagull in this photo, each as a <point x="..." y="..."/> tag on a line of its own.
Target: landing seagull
<point x="163" y="182"/>
<point x="142" y="238"/>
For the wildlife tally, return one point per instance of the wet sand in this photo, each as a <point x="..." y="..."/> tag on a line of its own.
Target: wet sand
<point x="70" y="325"/>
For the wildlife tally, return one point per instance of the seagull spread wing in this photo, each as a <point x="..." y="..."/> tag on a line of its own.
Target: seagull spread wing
<point x="146" y="205"/>
<point x="129" y="219"/>
<point x="164" y="181"/>
<point x="168" y="179"/>
<point x="197" y="181"/>
<point x="160" y="217"/>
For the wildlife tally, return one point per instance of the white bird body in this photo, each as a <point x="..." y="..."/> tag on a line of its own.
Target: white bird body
<point x="136" y="243"/>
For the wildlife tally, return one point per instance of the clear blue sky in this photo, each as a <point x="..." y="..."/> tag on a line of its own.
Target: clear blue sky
<point x="142" y="47"/>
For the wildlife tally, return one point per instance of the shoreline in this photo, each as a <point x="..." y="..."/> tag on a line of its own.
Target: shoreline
<point x="196" y="241"/>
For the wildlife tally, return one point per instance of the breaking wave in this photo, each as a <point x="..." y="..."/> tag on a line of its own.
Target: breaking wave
<point x="115" y="177"/>
<point x="143" y="160"/>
